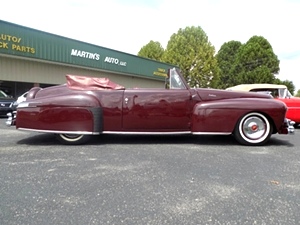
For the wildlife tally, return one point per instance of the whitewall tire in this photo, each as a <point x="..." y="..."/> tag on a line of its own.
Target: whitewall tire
<point x="253" y="129"/>
<point x="73" y="139"/>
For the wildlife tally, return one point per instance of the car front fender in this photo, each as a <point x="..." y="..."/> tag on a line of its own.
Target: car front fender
<point x="221" y="116"/>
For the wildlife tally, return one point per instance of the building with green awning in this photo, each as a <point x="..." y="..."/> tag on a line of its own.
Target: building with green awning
<point x="30" y="57"/>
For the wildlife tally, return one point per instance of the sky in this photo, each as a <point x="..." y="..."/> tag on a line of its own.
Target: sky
<point x="128" y="25"/>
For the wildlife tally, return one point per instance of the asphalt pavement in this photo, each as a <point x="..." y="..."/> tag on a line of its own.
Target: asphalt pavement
<point x="148" y="180"/>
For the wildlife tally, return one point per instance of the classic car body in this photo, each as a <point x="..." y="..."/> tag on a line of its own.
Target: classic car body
<point x="5" y="103"/>
<point x="279" y="92"/>
<point x="91" y="106"/>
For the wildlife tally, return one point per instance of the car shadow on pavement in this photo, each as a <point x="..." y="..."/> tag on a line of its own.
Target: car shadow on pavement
<point x="274" y="141"/>
<point x="50" y="139"/>
<point x="39" y="139"/>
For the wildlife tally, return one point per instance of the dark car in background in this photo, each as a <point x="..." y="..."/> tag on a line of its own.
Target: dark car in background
<point x="6" y="103"/>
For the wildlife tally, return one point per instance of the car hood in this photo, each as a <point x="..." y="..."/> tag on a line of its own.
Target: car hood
<point x="291" y="102"/>
<point x="216" y="94"/>
<point x="6" y="99"/>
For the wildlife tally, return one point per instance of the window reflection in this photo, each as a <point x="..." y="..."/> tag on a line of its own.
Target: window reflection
<point x="176" y="81"/>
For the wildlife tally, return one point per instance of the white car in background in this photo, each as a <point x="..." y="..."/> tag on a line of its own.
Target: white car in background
<point x="22" y="98"/>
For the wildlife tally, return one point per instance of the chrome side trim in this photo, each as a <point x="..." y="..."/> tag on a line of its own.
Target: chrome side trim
<point x="148" y="133"/>
<point x="124" y="132"/>
<point x="23" y="105"/>
<point x="211" y="133"/>
<point x="167" y="133"/>
<point x="59" y="131"/>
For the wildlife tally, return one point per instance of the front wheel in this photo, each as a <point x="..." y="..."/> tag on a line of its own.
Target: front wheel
<point x="253" y="129"/>
<point x="73" y="139"/>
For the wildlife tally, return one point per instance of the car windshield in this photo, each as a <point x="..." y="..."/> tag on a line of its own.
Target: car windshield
<point x="2" y="94"/>
<point x="175" y="80"/>
<point x="275" y="92"/>
<point x="284" y="93"/>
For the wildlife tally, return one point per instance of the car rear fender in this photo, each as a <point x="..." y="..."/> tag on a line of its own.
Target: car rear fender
<point x="67" y="100"/>
<point x="32" y="93"/>
<point x="61" y="114"/>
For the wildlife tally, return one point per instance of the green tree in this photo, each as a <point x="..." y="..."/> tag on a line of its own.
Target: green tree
<point x="190" y="49"/>
<point x="298" y="93"/>
<point x="226" y="57"/>
<point x="152" y="50"/>
<point x="255" y="62"/>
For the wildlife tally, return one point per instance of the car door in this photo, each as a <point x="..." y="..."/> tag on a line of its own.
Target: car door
<point x="160" y="110"/>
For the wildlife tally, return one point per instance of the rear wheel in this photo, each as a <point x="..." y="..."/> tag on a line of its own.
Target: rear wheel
<point x="253" y="129"/>
<point x="73" y="139"/>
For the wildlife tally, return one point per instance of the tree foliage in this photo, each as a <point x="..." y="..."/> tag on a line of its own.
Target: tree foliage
<point x="252" y="62"/>
<point x="235" y="63"/>
<point x="190" y="49"/>
<point x="152" y="50"/>
<point x="226" y="57"/>
<point x="255" y="62"/>
<point x="298" y="93"/>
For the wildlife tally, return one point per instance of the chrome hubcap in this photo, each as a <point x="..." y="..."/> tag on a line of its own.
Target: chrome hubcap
<point x="254" y="128"/>
<point x="71" y="136"/>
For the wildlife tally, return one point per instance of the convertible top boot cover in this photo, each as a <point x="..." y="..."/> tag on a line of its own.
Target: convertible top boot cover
<point x="91" y="83"/>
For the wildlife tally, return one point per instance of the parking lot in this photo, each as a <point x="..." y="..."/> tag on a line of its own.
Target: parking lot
<point x="148" y="180"/>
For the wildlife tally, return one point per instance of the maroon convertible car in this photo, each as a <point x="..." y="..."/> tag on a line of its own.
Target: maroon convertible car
<point x="86" y="106"/>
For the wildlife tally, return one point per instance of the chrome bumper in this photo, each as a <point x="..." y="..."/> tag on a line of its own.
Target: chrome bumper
<point x="290" y="128"/>
<point x="11" y="120"/>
